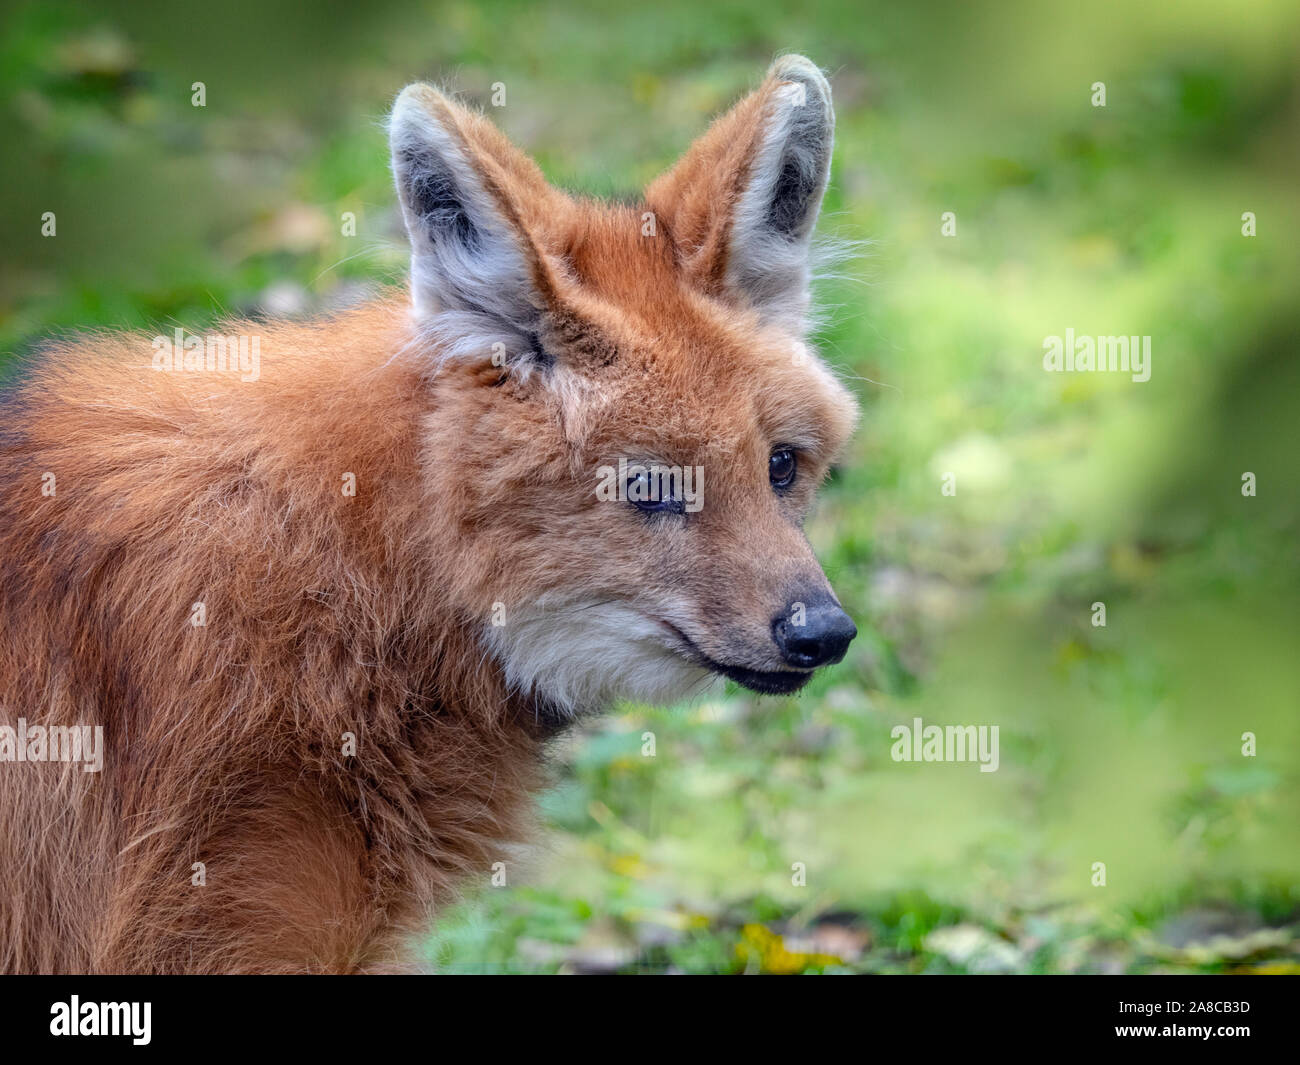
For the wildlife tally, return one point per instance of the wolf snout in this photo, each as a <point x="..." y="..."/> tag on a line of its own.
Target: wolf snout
<point x="813" y="635"/>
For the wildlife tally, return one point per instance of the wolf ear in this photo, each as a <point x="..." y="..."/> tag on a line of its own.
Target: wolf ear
<point x="742" y="203"/>
<point x="466" y="192"/>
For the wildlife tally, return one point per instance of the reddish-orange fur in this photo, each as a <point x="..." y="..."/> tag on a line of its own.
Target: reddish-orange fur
<point x="329" y="614"/>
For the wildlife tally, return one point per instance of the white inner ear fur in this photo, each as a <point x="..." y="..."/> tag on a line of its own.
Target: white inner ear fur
<point x="466" y="259"/>
<point x="771" y="233"/>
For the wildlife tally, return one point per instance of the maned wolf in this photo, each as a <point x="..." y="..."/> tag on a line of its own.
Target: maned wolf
<point x="325" y="620"/>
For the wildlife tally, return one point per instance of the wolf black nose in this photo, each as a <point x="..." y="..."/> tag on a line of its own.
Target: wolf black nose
<point x="823" y="637"/>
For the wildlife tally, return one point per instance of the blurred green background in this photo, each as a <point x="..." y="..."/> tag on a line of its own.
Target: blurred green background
<point x="1119" y="744"/>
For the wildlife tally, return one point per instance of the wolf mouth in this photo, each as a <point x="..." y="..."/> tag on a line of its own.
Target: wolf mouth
<point x="765" y="682"/>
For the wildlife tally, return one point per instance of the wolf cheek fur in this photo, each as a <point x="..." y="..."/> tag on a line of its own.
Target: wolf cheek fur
<point x="469" y="594"/>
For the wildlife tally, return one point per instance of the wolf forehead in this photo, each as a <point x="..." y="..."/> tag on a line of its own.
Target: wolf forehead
<point x="698" y="377"/>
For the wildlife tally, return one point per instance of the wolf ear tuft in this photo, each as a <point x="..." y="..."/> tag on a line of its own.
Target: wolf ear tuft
<point x="470" y="249"/>
<point x="743" y="202"/>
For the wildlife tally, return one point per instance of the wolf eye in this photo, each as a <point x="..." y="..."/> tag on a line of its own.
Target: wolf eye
<point x="653" y="494"/>
<point x="781" y="467"/>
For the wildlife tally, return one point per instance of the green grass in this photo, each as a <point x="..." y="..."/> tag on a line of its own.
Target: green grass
<point x="1119" y="744"/>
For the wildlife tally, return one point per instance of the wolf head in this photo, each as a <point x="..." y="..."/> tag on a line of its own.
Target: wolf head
<point x="628" y="426"/>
